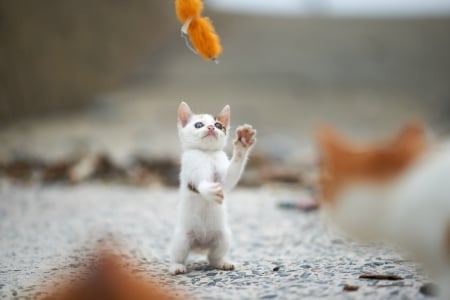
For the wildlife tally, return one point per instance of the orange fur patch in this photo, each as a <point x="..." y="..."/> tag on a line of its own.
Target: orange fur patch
<point x="201" y="31"/>
<point x="224" y="129"/>
<point x="343" y="162"/>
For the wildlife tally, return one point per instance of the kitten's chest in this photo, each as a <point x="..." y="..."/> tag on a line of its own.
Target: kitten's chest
<point x="210" y="166"/>
<point x="217" y="166"/>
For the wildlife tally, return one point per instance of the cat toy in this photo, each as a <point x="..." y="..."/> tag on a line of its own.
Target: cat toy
<point x="198" y="31"/>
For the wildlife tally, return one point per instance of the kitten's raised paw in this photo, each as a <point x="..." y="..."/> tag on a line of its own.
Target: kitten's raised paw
<point x="245" y="136"/>
<point x="177" y="269"/>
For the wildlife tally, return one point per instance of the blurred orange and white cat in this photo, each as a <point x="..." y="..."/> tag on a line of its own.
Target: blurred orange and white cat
<point x="396" y="191"/>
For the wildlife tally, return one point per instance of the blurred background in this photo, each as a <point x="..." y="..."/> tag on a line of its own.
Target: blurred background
<point x="89" y="89"/>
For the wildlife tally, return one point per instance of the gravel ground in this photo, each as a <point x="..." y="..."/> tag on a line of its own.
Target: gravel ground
<point x="284" y="254"/>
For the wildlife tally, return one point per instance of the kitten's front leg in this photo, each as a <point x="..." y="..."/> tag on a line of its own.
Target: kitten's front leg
<point x="211" y="191"/>
<point x="245" y="139"/>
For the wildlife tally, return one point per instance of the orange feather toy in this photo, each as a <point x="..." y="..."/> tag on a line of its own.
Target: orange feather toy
<point x="198" y="31"/>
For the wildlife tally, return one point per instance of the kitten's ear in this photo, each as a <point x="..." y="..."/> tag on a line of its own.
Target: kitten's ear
<point x="326" y="137"/>
<point x="329" y="141"/>
<point x="412" y="138"/>
<point x="412" y="130"/>
<point x="184" y="114"/>
<point x="224" y="116"/>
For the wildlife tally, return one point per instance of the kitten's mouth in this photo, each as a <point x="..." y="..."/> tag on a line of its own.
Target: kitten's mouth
<point x="210" y="134"/>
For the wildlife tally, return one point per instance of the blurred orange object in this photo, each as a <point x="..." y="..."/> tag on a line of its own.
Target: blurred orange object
<point x="110" y="278"/>
<point x="198" y="30"/>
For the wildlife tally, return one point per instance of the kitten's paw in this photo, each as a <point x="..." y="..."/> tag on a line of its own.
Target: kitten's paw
<point x="223" y="265"/>
<point x="219" y="197"/>
<point x="227" y="266"/>
<point x="212" y="191"/>
<point x="176" y="269"/>
<point x="217" y="193"/>
<point x="245" y="136"/>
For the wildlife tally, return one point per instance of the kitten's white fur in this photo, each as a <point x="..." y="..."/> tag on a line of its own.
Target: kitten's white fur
<point x="412" y="212"/>
<point x="202" y="217"/>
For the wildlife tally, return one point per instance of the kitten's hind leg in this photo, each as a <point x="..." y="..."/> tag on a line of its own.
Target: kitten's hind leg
<point x="217" y="252"/>
<point x="179" y="252"/>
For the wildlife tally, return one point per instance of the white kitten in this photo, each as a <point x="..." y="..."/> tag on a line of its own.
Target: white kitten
<point x="420" y="219"/>
<point x="397" y="192"/>
<point x="205" y="179"/>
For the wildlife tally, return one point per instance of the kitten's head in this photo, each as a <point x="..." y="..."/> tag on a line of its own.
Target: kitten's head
<point x="343" y="163"/>
<point x="203" y="131"/>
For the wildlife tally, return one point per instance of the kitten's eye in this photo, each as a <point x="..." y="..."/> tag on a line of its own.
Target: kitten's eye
<point x="218" y="126"/>
<point x="199" y="125"/>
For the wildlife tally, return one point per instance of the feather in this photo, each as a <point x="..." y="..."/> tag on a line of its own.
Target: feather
<point x="201" y="37"/>
<point x="204" y="38"/>
<point x="186" y="9"/>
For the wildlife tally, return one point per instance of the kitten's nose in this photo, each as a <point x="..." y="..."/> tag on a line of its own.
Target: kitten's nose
<point x="210" y="127"/>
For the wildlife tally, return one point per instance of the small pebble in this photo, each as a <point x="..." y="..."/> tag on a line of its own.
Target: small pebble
<point x="350" y="288"/>
<point x="381" y="276"/>
<point x="394" y="293"/>
<point x="305" y="275"/>
<point x="429" y="289"/>
<point x="271" y="296"/>
<point x="287" y="205"/>
<point x="305" y="266"/>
